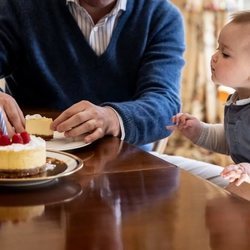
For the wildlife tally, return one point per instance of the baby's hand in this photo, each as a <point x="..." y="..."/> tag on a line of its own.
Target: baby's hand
<point x="239" y="173"/>
<point x="180" y="121"/>
<point x="187" y="124"/>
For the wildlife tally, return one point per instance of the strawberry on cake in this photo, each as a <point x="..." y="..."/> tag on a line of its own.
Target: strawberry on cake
<point x="22" y="155"/>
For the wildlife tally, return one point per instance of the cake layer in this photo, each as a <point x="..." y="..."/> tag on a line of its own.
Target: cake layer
<point x="21" y="173"/>
<point x="23" y="159"/>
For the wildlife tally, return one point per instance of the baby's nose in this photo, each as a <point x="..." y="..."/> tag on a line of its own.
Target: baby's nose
<point x="215" y="56"/>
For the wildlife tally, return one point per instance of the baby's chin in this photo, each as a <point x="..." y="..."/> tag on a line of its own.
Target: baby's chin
<point x="215" y="81"/>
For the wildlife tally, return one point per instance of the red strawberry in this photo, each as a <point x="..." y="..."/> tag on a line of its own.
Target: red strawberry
<point x="26" y="137"/>
<point x="1" y="133"/>
<point x="5" y="140"/>
<point x="17" y="138"/>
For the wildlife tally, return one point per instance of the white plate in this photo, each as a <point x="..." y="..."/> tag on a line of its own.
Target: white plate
<point x="59" y="142"/>
<point x="65" y="164"/>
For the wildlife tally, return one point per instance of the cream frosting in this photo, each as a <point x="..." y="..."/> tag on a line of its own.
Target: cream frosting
<point x="34" y="143"/>
<point x="35" y="116"/>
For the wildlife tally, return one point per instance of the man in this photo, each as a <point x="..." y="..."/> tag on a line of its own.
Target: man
<point x="112" y="67"/>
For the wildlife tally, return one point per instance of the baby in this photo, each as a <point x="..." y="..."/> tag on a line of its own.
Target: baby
<point x="230" y="66"/>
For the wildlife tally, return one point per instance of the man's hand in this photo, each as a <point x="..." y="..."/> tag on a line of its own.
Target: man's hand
<point x="85" y="118"/>
<point x="13" y="115"/>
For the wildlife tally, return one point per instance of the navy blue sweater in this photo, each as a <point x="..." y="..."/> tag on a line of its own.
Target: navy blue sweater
<point x="48" y="63"/>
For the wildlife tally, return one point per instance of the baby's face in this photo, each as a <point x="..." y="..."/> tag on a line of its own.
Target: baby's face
<point x="230" y="65"/>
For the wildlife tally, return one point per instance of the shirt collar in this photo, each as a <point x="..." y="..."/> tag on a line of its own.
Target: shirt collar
<point x="234" y="100"/>
<point x="120" y="5"/>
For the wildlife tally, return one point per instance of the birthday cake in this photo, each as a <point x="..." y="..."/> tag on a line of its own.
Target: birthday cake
<point x="39" y="126"/>
<point x="22" y="155"/>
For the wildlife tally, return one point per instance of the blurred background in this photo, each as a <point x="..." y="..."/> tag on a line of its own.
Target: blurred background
<point x="200" y="97"/>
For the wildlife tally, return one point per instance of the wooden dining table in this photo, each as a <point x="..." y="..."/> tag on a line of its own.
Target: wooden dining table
<point x="123" y="198"/>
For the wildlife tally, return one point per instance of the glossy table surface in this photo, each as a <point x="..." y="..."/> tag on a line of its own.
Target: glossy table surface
<point x="123" y="198"/>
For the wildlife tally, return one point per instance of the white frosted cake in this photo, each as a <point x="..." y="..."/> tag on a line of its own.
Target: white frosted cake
<point x="39" y="126"/>
<point x="24" y="158"/>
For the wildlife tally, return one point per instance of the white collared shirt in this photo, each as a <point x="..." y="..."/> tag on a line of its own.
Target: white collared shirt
<point x="98" y="35"/>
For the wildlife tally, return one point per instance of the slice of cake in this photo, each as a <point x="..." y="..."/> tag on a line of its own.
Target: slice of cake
<point x="39" y="126"/>
<point x="22" y="155"/>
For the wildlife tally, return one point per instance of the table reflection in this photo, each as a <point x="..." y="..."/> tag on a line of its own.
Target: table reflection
<point x="98" y="156"/>
<point x="225" y="218"/>
<point x="113" y="199"/>
<point x="38" y="212"/>
<point x="63" y="190"/>
<point x="44" y="225"/>
<point x="242" y="191"/>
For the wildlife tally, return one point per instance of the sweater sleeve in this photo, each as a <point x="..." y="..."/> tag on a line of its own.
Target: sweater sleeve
<point x="213" y="138"/>
<point x="157" y="96"/>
